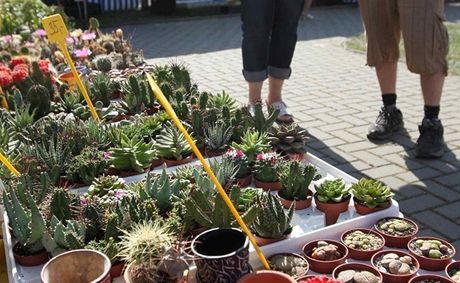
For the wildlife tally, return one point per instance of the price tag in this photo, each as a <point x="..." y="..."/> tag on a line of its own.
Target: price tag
<point x="55" y="28"/>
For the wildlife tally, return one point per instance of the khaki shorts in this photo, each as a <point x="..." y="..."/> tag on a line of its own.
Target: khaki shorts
<point x="426" y="40"/>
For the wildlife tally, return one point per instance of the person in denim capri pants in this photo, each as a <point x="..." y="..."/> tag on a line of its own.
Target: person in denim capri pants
<point x="269" y="39"/>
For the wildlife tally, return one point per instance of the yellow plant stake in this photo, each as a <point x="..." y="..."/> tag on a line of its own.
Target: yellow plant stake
<point x="4" y="101"/>
<point x="164" y="102"/>
<point x="8" y="165"/>
<point x="57" y="32"/>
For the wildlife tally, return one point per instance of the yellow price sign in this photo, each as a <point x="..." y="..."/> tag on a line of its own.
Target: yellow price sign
<point x="4" y="100"/>
<point x="57" y="32"/>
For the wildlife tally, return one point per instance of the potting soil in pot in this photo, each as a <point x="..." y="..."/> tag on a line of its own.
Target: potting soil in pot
<point x="357" y="276"/>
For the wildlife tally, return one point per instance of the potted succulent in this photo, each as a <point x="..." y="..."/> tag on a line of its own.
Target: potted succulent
<point x="266" y="276"/>
<point x="217" y="137"/>
<point x="324" y="256"/>
<point x="106" y="191"/>
<point x="246" y="199"/>
<point x="317" y="279"/>
<point x="292" y="264"/>
<point x="86" y="166"/>
<point x="332" y="197"/>
<point x="432" y="253"/>
<point x="266" y="171"/>
<point x="289" y="140"/>
<point x="295" y="179"/>
<point x="396" y="266"/>
<point x="240" y="160"/>
<point x="453" y="271"/>
<point x="72" y="266"/>
<point x="111" y="249"/>
<point x="362" y="243"/>
<point x="397" y="231"/>
<point x="28" y="227"/>
<point x="357" y="273"/>
<point x="253" y="143"/>
<point x="172" y="146"/>
<point x="215" y="261"/>
<point x="272" y="224"/>
<point x="430" y="278"/>
<point x="370" y="196"/>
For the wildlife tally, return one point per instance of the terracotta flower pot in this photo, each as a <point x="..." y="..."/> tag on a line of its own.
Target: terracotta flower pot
<point x="432" y="264"/>
<point x="38" y="258"/>
<point x="323" y="266"/>
<point x="216" y="262"/>
<point x="332" y="210"/>
<point x="261" y="241"/>
<point x="215" y="152"/>
<point x="455" y="265"/>
<point x="362" y="254"/>
<point x="299" y="204"/>
<point x="116" y="269"/>
<point x="358" y="267"/>
<point x="294" y="255"/>
<point x="72" y="266"/>
<point x="395" y="278"/>
<point x="130" y="173"/>
<point x="266" y="276"/>
<point x="268" y="186"/>
<point x="296" y="156"/>
<point x="173" y="162"/>
<point x="363" y="210"/>
<point x="245" y="181"/>
<point x="397" y="241"/>
<point x="436" y="278"/>
<point x="305" y="278"/>
<point x="156" y="162"/>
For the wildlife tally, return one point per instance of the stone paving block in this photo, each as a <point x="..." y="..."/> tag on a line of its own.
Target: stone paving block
<point x="420" y="203"/>
<point x="401" y="187"/>
<point x="353" y="147"/>
<point x="451" y="211"/>
<point x="383" y="171"/>
<point x="371" y="159"/>
<point x="426" y="232"/>
<point x="438" y="190"/>
<point x="440" y="165"/>
<point x="355" y="166"/>
<point x="403" y="160"/>
<point x="456" y="244"/>
<point x="345" y="135"/>
<point x="450" y="180"/>
<point x="438" y="223"/>
<point x="419" y="174"/>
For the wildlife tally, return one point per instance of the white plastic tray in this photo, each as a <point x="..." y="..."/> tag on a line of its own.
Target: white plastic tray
<point x="308" y="224"/>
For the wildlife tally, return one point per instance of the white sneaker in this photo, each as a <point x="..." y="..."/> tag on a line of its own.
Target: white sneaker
<point x="283" y="116"/>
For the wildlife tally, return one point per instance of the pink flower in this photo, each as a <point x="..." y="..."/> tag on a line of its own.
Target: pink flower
<point x="239" y="153"/>
<point x="7" y="38"/>
<point x="69" y="40"/>
<point x="106" y="155"/>
<point x="119" y="194"/>
<point x="83" y="201"/>
<point x="82" y="53"/>
<point x="260" y="156"/>
<point x="40" y="32"/>
<point x="88" y="36"/>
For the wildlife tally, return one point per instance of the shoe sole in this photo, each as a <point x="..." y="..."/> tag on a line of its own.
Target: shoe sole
<point x="435" y="154"/>
<point x="383" y="136"/>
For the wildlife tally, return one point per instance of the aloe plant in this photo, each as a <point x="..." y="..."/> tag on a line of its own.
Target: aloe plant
<point x="101" y="89"/>
<point x="295" y="177"/>
<point x="60" y="238"/>
<point x="261" y="122"/>
<point x="371" y="193"/>
<point x="171" y="143"/>
<point x="252" y="143"/>
<point x="332" y="191"/>
<point x="132" y="154"/>
<point x="218" y="135"/>
<point x="222" y="100"/>
<point x="162" y="190"/>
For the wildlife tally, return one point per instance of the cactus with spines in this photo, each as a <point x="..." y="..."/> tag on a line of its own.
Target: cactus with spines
<point x="295" y="177"/>
<point x="197" y="128"/>
<point x="94" y="222"/>
<point x="60" y="238"/>
<point x="238" y="125"/>
<point x="260" y="121"/>
<point x="60" y="205"/>
<point x="136" y="94"/>
<point x="133" y="210"/>
<point x="86" y="166"/>
<point x="25" y="220"/>
<point x="94" y="26"/>
<point x="103" y="63"/>
<point x="111" y="227"/>
<point x="272" y="221"/>
<point x="39" y="190"/>
<point x="162" y="190"/>
<point x="39" y="99"/>
<point x="102" y="88"/>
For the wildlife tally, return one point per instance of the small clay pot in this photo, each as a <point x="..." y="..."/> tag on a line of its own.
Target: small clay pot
<point x="438" y="278"/>
<point x="322" y="266"/>
<point x="451" y="266"/>
<point x="363" y="209"/>
<point x="173" y="162"/>
<point x="116" y="269"/>
<point x="396" y="241"/>
<point x="244" y="182"/>
<point x="296" y="156"/>
<point x="130" y="173"/>
<point x="156" y="162"/>
<point x="121" y="117"/>
<point x="268" y="186"/>
<point x="332" y="210"/>
<point x="38" y="258"/>
<point x="395" y="278"/>
<point x="261" y="241"/>
<point x="215" y="152"/>
<point x="266" y="276"/>
<point x="294" y="255"/>
<point x="305" y="278"/>
<point x="299" y="204"/>
<point x="362" y="254"/>
<point x="358" y="267"/>
<point x="432" y="264"/>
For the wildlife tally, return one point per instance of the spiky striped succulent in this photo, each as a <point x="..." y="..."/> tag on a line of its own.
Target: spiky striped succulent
<point x="289" y="139"/>
<point x="171" y="143"/>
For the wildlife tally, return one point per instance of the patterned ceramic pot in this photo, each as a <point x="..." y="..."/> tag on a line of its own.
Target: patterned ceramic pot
<point x="222" y="255"/>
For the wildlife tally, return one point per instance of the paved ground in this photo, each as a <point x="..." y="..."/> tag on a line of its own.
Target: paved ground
<point x="335" y="96"/>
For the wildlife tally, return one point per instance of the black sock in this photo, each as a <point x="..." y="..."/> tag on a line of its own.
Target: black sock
<point x="431" y="112"/>
<point x="389" y="99"/>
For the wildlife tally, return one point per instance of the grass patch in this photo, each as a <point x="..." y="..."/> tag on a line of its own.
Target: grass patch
<point x="358" y="43"/>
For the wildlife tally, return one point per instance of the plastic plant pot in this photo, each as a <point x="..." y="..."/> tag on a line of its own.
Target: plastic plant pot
<point x="432" y="264"/>
<point x="435" y="278"/>
<point x="324" y="266"/>
<point x="360" y="254"/>
<point x="395" y="278"/>
<point x="395" y="241"/>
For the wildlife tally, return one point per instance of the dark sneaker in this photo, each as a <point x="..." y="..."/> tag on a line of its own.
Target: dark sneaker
<point x="430" y="143"/>
<point x="390" y="120"/>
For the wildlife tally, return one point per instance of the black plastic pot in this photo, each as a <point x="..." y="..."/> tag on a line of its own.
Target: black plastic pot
<point x="222" y="255"/>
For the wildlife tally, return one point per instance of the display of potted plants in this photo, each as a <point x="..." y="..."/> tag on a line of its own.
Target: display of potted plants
<point x="362" y="243"/>
<point x="453" y="271"/>
<point x="243" y="175"/>
<point x="357" y="273"/>
<point x="432" y="253"/>
<point x="292" y="264"/>
<point x="111" y="249"/>
<point x="396" y="266"/>
<point x="106" y="191"/>
<point x="252" y="143"/>
<point x="266" y="276"/>
<point x="217" y="137"/>
<point x="272" y="223"/>
<point x="216" y="262"/>
<point x="332" y="197"/>
<point x="172" y="146"/>
<point x="397" y="231"/>
<point x="324" y="256"/>
<point x="295" y="178"/>
<point x="370" y="196"/>
<point x="430" y="278"/>
<point x="289" y="140"/>
<point x="266" y="171"/>
<point x="86" y="166"/>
